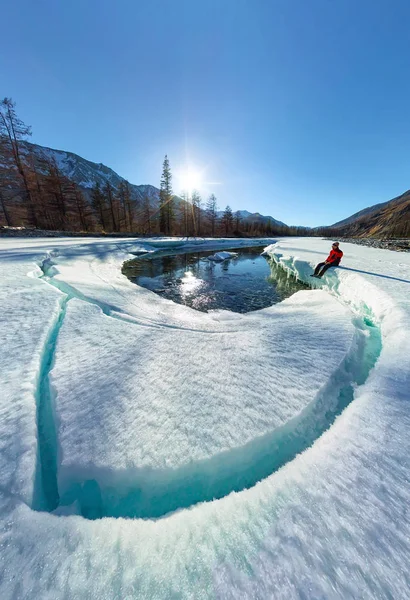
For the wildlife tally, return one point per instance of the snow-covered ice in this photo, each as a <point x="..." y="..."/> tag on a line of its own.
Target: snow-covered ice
<point x="173" y="398"/>
<point x="156" y="407"/>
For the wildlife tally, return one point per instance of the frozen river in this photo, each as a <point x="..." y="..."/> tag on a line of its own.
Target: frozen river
<point x="149" y="450"/>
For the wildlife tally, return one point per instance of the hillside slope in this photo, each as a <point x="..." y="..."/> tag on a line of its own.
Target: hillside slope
<point x="388" y="219"/>
<point x="361" y="213"/>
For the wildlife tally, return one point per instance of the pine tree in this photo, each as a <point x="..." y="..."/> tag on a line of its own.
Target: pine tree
<point x="211" y="210"/>
<point x="227" y="219"/>
<point x="12" y="132"/>
<point x="166" y="202"/>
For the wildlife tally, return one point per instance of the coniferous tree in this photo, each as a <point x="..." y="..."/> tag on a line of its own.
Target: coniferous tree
<point x="166" y="202"/>
<point x="211" y="212"/>
<point x="227" y="219"/>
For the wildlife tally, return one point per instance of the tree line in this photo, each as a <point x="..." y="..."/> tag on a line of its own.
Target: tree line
<point x="34" y="192"/>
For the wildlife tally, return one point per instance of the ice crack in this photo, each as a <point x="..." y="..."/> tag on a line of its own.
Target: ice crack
<point x="46" y="495"/>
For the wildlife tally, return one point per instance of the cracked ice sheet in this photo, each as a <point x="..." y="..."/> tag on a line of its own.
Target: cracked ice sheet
<point x="28" y="308"/>
<point x="131" y="397"/>
<point x="331" y="524"/>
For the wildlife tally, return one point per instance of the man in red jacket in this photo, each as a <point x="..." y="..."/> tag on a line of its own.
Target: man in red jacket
<point x="332" y="260"/>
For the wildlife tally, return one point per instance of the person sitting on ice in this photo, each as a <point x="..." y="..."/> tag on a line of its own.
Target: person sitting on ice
<point x="332" y="260"/>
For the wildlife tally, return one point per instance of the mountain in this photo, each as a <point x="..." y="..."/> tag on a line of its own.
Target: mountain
<point x="86" y="173"/>
<point x="255" y="218"/>
<point x="387" y="219"/>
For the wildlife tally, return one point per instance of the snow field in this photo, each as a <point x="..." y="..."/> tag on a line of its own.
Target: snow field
<point x="332" y="523"/>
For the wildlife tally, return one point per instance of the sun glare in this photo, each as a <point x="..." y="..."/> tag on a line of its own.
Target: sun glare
<point x="190" y="180"/>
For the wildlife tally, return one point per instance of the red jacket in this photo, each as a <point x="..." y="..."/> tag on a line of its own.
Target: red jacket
<point x="335" y="256"/>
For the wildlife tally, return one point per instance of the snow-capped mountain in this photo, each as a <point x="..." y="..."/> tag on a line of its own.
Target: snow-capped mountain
<point x="256" y="218"/>
<point x="86" y="173"/>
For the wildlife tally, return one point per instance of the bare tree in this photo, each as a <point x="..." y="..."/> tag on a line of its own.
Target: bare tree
<point x="147" y="211"/>
<point x="98" y="204"/>
<point x="12" y="132"/>
<point x="56" y="184"/>
<point x="4" y="183"/>
<point x="4" y="208"/>
<point x="129" y="206"/>
<point x="83" y="210"/>
<point x="238" y="219"/>
<point x="111" y="205"/>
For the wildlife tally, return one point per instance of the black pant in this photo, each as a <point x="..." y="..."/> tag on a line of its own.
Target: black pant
<point x="323" y="267"/>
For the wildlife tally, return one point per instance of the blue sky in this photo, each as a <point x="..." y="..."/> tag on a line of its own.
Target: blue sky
<point x="294" y="108"/>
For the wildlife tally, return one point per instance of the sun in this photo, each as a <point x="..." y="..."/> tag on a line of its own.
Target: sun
<point x="190" y="179"/>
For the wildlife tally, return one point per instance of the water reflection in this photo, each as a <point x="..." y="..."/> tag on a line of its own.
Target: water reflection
<point x="243" y="283"/>
<point x="190" y="283"/>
